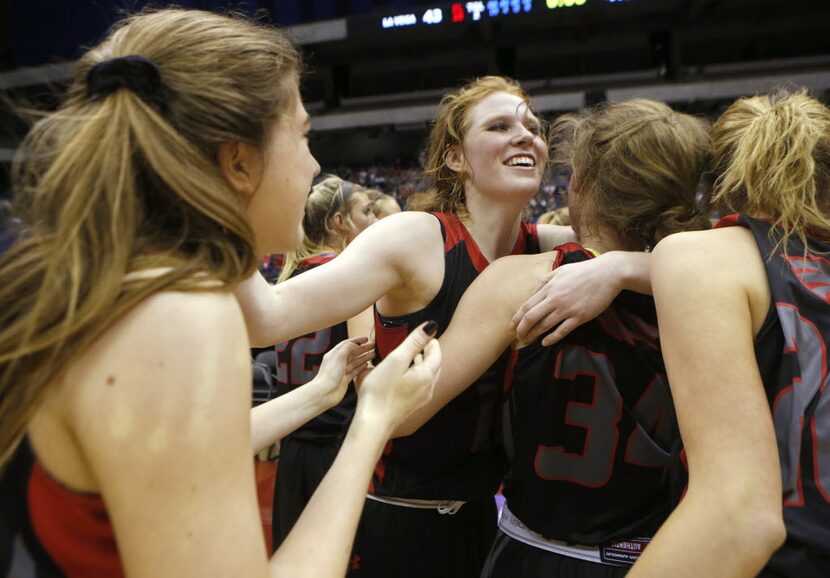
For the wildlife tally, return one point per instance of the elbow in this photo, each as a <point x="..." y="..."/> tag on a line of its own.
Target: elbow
<point x="743" y="516"/>
<point x="761" y="517"/>
<point x="405" y="429"/>
<point x="771" y="531"/>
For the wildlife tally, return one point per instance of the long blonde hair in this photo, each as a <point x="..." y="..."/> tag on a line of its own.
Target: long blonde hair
<point x="636" y="167"/>
<point x="771" y="158"/>
<point x="329" y="197"/>
<point x="109" y="185"/>
<point x="446" y="194"/>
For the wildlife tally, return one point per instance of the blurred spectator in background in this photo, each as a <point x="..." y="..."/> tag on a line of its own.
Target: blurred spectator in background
<point x="383" y="205"/>
<point x="558" y="216"/>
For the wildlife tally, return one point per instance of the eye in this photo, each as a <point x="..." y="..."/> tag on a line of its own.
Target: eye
<point x="498" y="127"/>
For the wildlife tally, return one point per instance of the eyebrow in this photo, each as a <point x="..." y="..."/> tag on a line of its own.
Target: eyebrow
<point x="529" y="118"/>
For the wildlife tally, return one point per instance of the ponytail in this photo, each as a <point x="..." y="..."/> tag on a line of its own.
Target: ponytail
<point x="771" y="158"/>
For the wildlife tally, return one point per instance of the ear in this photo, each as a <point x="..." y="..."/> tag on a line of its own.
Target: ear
<point x="241" y="165"/>
<point x="339" y="222"/>
<point x="454" y="159"/>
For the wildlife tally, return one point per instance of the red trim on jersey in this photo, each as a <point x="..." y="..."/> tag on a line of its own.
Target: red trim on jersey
<point x="508" y="372"/>
<point x="728" y="221"/>
<point x="390" y="337"/>
<point x="457" y="232"/>
<point x="318" y="259"/>
<point x="380" y="467"/>
<point x="74" y="528"/>
<point x="565" y="249"/>
<point x="732" y="221"/>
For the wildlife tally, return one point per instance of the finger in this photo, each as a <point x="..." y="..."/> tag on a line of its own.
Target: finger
<point x="519" y="319"/>
<point x="363" y="356"/>
<point x="543" y="326"/>
<point x="344" y="346"/>
<point x="414" y="343"/>
<point x="359" y="362"/>
<point x="562" y="331"/>
<point x="364" y="349"/>
<point x="352" y="374"/>
<point x="432" y="357"/>
<point x="533" y="317"/>
<point x="356" y="351"/>
<point x="544" y="279"/>
<point x="359" y="340"/>
<point x="338" y="354"/>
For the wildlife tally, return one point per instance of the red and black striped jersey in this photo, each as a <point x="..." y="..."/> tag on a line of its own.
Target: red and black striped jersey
<point x="791" y="350"/>
<point x="593" y="427"/>
<point x="298" y="361"/>
<point x="458" y="454"/>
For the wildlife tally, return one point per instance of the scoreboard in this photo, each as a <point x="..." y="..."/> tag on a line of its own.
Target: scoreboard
<point x="478" y="10"/>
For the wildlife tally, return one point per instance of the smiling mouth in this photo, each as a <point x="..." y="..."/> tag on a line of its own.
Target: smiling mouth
<point x="521" y="161"/>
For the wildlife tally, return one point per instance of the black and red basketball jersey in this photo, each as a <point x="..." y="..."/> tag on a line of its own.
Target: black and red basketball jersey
<point x="791" y="349"/>
<point x="298" y="361"/>
<point x="458" y="454"/>
<point x="593" y="427"/>
<point x="49" y="529"/>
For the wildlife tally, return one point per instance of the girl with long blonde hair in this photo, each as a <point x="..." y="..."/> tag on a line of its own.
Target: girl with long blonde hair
<point x="179" y="155"/>
<point x="336" y="212"/>
<point x="745" y="318"/>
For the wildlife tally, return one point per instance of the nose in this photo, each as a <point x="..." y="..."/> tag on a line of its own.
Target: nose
<point x="523" y="135"/>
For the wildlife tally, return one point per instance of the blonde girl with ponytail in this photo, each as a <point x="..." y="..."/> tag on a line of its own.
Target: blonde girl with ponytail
<point x="744" y="320"/>
<point x="322" y="399"/>
<point x="336" y="212"/>
<point x="179" y="156"/>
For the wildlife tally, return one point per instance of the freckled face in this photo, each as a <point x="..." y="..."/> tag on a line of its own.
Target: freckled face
<point x="503" y="151"/>
<point x="278" y="205"/>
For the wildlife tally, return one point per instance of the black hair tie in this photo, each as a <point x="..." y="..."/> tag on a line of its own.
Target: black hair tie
<point x="135" y="73"/>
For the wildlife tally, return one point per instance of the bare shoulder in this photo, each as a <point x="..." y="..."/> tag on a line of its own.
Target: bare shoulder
<point x="407" y="224"/>
<point x="709" y="253"/>
<point x="704" y="267"/>
<point x="171" y="351"/>
<point x="395" y="239"/>
<point x="514" y="278"/>
<point x="551" y="236"/>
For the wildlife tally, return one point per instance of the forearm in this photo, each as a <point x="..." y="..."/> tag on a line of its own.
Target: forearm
<point x="320" y="543"/>
<point x="275" y="419"/>
<point x="732" y="541"/>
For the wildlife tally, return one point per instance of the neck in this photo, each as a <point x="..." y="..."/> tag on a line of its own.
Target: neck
<point x="493" y="225"/>
<point x="601" y="240"/>
<point x="328" y="249"/>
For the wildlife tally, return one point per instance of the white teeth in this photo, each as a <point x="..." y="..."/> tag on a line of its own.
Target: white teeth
<point x="522" y="161"/>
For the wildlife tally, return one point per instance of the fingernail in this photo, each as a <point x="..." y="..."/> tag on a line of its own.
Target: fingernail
<point x="431" y="328"/>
